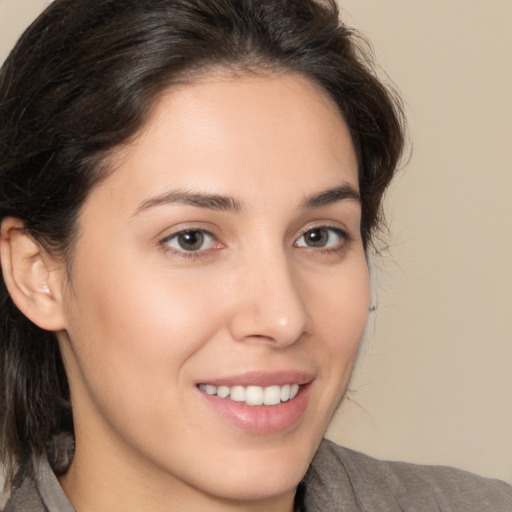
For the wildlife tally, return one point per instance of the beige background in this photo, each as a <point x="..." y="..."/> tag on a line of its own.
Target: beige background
<point x="434" y="381"/>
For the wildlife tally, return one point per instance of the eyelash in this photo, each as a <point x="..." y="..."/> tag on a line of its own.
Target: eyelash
<point x="342" y="234"/>
<point x="182" y="252"/>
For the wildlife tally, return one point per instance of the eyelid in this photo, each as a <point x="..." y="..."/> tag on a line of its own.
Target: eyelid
<point x="205" y="234"/>
<point x="183" y="227"/>
<point x="342" y="233"/>
<point x="164" y="242"/>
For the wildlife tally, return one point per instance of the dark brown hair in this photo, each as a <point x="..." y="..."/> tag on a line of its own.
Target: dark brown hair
<point x="82" y="80"/>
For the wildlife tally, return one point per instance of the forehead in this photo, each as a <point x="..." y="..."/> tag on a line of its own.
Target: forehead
<point x="239" y="135"/>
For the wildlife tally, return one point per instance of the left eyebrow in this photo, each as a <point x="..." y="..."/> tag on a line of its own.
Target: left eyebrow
<point x="331" y="196"/>
<point x="209" y="201"/>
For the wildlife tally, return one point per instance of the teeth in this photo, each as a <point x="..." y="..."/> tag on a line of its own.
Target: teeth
<point x="211" y="390"/>
<point x="285" y="393"/>
<point x="253" y="395"/>
<point x="237" y="393"/>
<point x="223" y="391"/>
<point x="272" y="395"/>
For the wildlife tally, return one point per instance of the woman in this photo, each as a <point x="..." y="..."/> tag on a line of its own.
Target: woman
<point x="189" y="194"/>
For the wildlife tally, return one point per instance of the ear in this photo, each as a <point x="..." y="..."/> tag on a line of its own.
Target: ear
<point x="33" y="278"/>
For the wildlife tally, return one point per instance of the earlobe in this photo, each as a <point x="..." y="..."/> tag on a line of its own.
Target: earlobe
<point x="32" y="277"/>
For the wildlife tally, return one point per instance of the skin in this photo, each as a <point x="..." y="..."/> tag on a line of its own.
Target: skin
<point x="143" y="321"/>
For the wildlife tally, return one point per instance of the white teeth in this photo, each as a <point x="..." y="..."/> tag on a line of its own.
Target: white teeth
<point x="211" y="390"/>
<point x="253" y="395"/>
<point x="272" y="395"/>
<point x="223" y="391"/>
<point x="237" y="393"/>
<point x="285" y="393"/>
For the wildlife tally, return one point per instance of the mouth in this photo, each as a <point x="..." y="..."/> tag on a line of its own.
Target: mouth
<point x="253" y="395"/>
<point x="259" y="402"/>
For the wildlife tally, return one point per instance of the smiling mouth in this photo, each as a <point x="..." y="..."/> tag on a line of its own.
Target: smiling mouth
<point x="253" y="395"/>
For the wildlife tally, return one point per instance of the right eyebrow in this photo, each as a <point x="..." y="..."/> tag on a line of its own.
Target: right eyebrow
<point x="188" y="197"/>
<point x="331" y="196"/>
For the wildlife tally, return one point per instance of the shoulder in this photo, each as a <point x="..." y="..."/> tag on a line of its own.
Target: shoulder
<point x="39" y="489"/>
<point x="343" y="479"/>
<point x="25" y="498"/>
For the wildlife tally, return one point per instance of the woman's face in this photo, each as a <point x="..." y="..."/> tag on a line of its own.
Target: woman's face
<point x="223" y="254"/>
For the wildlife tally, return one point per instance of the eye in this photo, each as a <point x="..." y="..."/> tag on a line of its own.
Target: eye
<point x="190" y="240"/>
<point x="322" y="237"/>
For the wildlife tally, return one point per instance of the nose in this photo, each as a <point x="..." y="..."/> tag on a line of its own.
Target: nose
<point x="270" y="305"/>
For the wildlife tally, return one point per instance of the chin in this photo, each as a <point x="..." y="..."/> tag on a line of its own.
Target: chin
<point x="263" y="473"/>
<point x="258" y="485"/>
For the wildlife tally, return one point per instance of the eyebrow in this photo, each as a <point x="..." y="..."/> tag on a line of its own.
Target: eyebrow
<point x="199" y="199"/>
<point x="230" y="204"/>
<point x="331" y="196"/>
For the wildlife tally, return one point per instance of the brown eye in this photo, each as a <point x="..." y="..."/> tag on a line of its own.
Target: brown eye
<point x="317" y="237"/>
<point x="322" y="238"/>
<point x="190" y="241"/>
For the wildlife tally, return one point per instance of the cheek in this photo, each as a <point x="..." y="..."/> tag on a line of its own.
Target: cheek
<point x="341" y="312"/>
<point x="132" y="332"/>
<point x="343" y="302"/>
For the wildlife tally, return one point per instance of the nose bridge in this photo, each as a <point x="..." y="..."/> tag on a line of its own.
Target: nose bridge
<point x="270" y="305"/>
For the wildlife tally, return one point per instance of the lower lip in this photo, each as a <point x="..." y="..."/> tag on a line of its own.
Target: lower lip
<point x="261" y="419"/>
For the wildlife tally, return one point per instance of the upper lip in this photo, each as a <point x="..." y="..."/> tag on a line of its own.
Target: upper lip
<point x="262" y="378"/>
